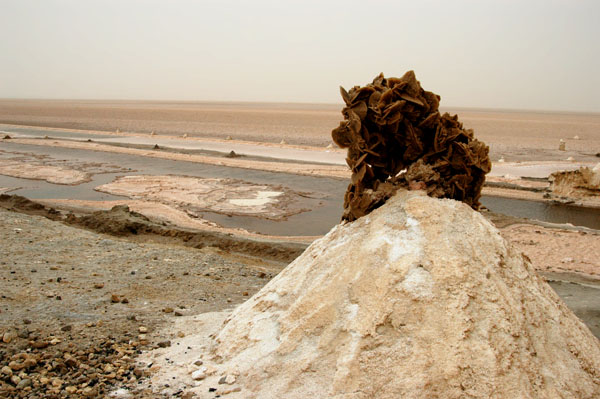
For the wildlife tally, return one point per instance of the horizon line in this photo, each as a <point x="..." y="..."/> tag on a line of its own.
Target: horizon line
<point x="458" y="107"/>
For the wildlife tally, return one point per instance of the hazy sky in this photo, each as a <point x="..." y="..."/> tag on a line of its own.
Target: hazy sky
<point x="503" y="54"/>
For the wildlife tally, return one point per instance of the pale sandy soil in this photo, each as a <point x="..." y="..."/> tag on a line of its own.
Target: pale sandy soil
<point x="558" y="250"/>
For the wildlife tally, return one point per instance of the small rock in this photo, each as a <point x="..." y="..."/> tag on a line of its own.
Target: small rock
<point x="26" y="382"/>
<point x="38" y="344"/>
<point x="26" y="321"/>
<point x="227" y="379"/>
<point x="283" y="142"/>
<point x="66" y="328"/>
<point x="198" y="363"/>
<point x="575" y="137"/>
<point x="7" y="137"/>
<point x="568" y="260"/>
<point x="15" y="379"/>
<point x="114" y="298"/>
<point x="70" y="361"/>
<point x="124" y="300"/>
<point x="562" y="145"/>
<point x="71" y="389"/>
<point x="199" y="374"/>
<point x="15" y="366"/>
<point x="164" y="344"/>
<point x="180" y="334"/>
<point x="156" y="147"/>
<point x="168" y="310"/>
<point x="188" y="395"/>
<point x="99" y="285"/>
<point x="228" y="138"/>
<point x="143" y="329"/>
<point x="7" y="337"/>
<point x="6" y="371"/>
<point x="245" y="293"/>
<point x="185" y="136"/>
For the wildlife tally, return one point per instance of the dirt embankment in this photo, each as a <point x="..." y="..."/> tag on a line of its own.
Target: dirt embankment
<point x="120" y="221"/>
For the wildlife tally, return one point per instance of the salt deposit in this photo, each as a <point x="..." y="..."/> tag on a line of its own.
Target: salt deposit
<point x="422" y="298"/>
<point x="261" y="198"/>
<point x="196" y="195"/>
<point x="51" y="174"/>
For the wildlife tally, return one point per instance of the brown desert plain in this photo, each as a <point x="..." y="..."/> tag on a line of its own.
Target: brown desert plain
<point x="106" y="244"/>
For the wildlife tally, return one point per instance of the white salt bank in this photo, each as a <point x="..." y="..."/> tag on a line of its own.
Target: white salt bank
<point x="422" y="298"/>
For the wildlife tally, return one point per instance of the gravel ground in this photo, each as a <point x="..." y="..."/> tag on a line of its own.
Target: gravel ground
<point x="77" y="307"/>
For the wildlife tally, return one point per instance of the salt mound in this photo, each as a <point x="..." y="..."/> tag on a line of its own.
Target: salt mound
<point x="422" y="298"/>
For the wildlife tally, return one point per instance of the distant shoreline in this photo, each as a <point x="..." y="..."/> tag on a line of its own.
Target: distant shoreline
<point x="283" y="104"/>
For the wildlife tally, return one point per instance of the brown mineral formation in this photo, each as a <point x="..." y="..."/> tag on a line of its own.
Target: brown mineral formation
<point x="396" y="137"/>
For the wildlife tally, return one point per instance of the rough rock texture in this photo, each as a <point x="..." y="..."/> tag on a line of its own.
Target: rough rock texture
<point x="396" y="137"/>
<point x="422" y="298"/>
<point x="580" y="183"/>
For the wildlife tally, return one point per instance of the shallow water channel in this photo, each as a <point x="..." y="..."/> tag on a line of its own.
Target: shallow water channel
<point x="324" y="199"/>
